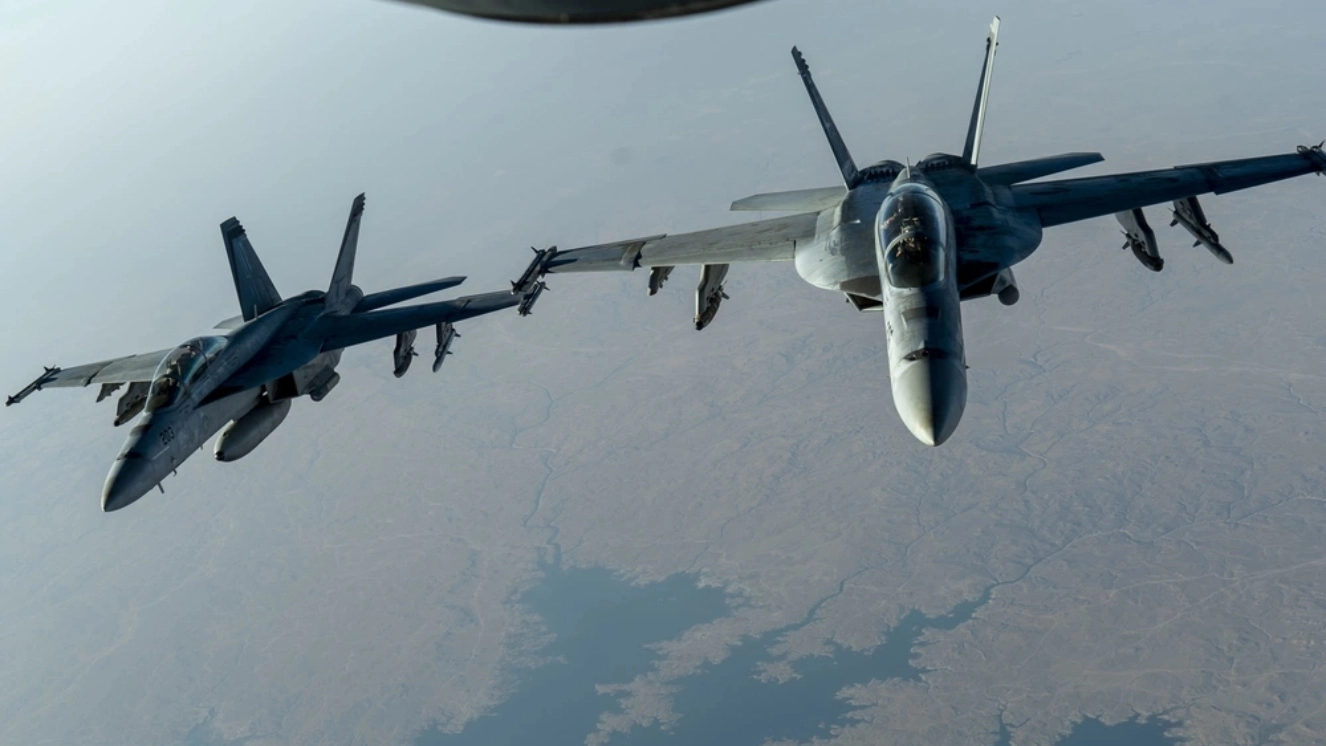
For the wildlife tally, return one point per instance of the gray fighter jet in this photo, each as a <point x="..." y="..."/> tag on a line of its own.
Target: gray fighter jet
<point x="912" y="241"/>
<point x="242" y="381"/>
<point x="578" y="11"/>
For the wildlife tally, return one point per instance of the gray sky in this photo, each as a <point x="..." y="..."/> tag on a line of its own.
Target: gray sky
<point x="131" y="130"/>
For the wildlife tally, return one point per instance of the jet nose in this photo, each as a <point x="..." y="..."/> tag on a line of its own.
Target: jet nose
<point x="129" y="479"/>
<point x="930" y="395"/>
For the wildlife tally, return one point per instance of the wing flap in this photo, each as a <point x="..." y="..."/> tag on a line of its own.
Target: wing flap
<point x="1070" y="200"/>
<point x="773" y="240"/>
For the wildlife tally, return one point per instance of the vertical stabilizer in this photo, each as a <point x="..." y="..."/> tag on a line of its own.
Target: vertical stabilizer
<point x="851" y="177"/>
<point x="339" y="297"/>
<point x="256" y="292"/>
<point x="972" y="150"/>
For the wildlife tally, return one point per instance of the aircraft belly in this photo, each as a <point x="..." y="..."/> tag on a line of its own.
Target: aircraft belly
<point x="994" y="240"/>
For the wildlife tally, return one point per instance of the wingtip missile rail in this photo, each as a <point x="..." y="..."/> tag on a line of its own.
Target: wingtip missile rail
<point x="48" y="375"/>
<point x="1315" y="154"/>
<point x="536" y="269"/>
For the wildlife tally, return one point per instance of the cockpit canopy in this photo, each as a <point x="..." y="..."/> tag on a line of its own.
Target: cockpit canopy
<point x="914" y="234"/>
<point x="180" y="369"/>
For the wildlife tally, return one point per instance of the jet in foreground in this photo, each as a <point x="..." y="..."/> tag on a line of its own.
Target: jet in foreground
<point x="241" y="382"/>
<point x="578" y="11"/>
<point x="913" y="241"/>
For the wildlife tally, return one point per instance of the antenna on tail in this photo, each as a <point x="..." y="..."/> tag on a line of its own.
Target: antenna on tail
<point x="972" y="150"/>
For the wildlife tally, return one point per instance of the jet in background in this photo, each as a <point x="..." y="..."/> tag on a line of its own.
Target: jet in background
<point x="578" y="11"/>
<point x="912" y="241"/>
<point x="241" y="382"/>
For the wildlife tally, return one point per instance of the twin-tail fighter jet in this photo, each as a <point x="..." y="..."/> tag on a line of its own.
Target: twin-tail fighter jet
<point x="914" y="240"/>
<point x="578" y="11"/>
<point x="241" y="382"/>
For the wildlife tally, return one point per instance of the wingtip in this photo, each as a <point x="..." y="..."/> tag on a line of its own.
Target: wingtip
<point x="232" y="228"/>
<point x="802" y="67"/>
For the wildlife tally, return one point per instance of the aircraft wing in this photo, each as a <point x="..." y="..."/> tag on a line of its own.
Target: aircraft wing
<point x="130" y="369"/>
<point x="773" y="240"/>
<point x="357" y="328"/>
<point x="1071" y="200"/>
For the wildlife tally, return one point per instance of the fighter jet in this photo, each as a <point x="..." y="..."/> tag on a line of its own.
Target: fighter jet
<point x="578" y="11"/>
<point x="242" y="381"/>
<point x="912" y="241"/>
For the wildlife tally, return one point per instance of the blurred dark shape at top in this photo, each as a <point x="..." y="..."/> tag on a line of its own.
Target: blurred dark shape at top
<point x="578" y="11"/>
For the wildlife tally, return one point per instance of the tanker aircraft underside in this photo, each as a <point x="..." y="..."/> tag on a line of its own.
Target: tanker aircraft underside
<point x="578" y="11"/>
<point x="913" y="241"/>
<point x="242" y="380"/>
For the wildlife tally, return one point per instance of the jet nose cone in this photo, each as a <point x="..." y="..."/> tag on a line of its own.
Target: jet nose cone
<point x="128" y="480"/>
<point x="930" y="395"/>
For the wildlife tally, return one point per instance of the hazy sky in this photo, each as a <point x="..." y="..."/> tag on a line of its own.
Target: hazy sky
<point x="130" y="130"/>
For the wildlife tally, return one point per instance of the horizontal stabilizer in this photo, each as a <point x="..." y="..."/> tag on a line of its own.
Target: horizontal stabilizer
<point x="1008" y="174"/>
<point x="344" y="331"/>
<point x="374" y="301"/>
<point x="801" y="200"/>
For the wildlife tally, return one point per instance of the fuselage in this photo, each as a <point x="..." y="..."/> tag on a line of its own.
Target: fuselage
<point x="209" y="382"/>
<point x="965" y="233"/>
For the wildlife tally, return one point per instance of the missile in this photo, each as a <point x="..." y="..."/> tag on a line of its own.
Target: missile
<point x="1188" y="213"/>
<point x="536" y="269"/>
<point x="658" y="276"/>
<point x="48" y="375"/>
<point x="532" y="295"/>
<point x="241" y="436"/>
<point x="709" y="294"/>
<point x="404" y="353"/>
<point x="446" y="332"/>
<point x="1140" y="238"/>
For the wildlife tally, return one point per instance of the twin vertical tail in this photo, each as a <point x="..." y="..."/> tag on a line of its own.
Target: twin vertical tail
<point x="257" y="294"/>
<point x="341" y="296"/>
<point x="972" y="150"/>
<point x="851" y="176"/>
